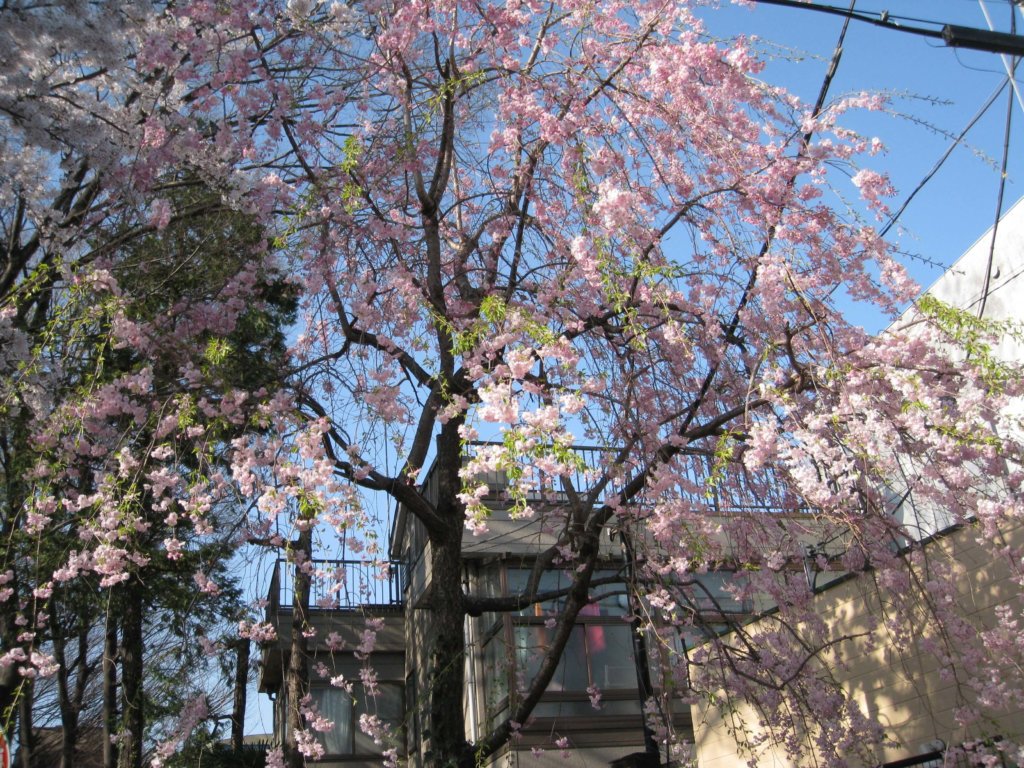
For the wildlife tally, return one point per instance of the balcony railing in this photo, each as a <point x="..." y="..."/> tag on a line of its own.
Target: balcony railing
<point x="340" y="585"/>
<point x="722" y="490"/>
<point x="592" y="461"/>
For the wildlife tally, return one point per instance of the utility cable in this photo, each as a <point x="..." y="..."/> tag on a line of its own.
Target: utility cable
<point x="952" y="35"/>
<point x="935" y="168"/>
<point x="878" y="19"/>
<point x="884" y="19"/>
<point x="999" y="197"/>
<point x="1007" y="60"/>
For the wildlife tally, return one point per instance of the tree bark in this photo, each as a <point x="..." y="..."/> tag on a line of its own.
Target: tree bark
<point x="447" y="655"/>
<point x="132" y="694"/>
<point x="9" y="677"/>
<point x="242" y="647"/>
<point x="69" y="702"/>
<point x="26" y="736"/>
<point x="447" y="724"/>
<point x="13" y="471"/>
<point x="110" y="709"/>
<point x="297" y="682"/>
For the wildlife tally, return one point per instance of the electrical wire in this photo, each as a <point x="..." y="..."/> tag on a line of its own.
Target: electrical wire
<point x="883" y="19"/>
<point x="952" y="35"/>
<point x="1002" y="189"/>
<point x="1006" y="60"/>
<point x="945" y="156"/>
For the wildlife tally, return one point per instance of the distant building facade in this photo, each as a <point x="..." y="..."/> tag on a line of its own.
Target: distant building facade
<point x="906" y="687"/>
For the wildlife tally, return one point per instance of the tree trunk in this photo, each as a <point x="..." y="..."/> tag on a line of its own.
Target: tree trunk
<point x="297" y="682"/>
<point x="447" y="724"/>
<point x="26" y="736"/>
<point x="110" y="693"/>
<point x="241" y="684"/>
<point x="9" y="677"/>
<point x="14" y="469"/>
<point x="65" y="698"/>
<point x="133" y="717"/>
<point x="84" y="672"/>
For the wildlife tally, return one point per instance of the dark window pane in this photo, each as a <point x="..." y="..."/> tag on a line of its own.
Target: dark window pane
<point x="496" y="672"/>
<point x="518" y="579"/>
<point x="564" y="709"/>
<point x="387" y="706"/>
<point x="717" y="591"/>
<point x="627" y="707"/>
<point x="609" y="599"/>
<point x="571" y="673"/>
<point x="335" y="705"/>
<point x="610" y="648"/>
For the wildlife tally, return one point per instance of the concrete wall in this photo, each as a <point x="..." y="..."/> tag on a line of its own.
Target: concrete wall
<point x="906" y="690"/>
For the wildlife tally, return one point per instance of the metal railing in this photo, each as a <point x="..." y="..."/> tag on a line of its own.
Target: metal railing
<point x="726" y="489"/>
<point x="340" y="585"/>
<point x="592" y="462"/>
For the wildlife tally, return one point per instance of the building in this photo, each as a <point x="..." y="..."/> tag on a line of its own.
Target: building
<point x="905" y="689"/>
<point x="606" y="653"/>
<point x="602" y="653"/>
<point x="895" y="675"/>
<point x="339" y="618"/>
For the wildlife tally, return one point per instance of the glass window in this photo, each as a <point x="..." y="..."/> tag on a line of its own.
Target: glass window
<point x="716" y="591"/>
<point x="387" y="706"/>
<point x="583" y="708"/>
<point x="599" y="652"/>
<point x="519" y="578"/>
<point x="596" y="654"/>
<point x="497" y="667"/>
<point x="610" y="652"/>
<point x="532" y="641"/>
<point x="335" y="705"/>
<point x="609" y="599"/>
<point x="344" y="710"/>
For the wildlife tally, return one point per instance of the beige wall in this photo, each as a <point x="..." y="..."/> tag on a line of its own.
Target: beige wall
<point x="904" y="690"/>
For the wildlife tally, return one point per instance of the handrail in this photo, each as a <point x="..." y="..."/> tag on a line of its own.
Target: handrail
<point x="340" y="585"/>
<point x="726" y="489"/>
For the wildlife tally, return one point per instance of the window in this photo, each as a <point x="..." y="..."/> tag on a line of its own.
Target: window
<point x="609" y="599"/>
<point x="344" y="710"/>
<point x="600" y="653"/>
<point x="597" y="654"/>
<point x="335" y="705"/>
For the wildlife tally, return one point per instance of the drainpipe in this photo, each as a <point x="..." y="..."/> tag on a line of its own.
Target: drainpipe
<point x="473" y="660"/>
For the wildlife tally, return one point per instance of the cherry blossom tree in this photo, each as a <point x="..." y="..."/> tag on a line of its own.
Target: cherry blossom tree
<point x="184" y="594"/>
<point x="535" y="224"/>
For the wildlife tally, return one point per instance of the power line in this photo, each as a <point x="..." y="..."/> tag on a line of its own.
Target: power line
<point x="945" y="156"/>
<point x="953" y="35"/>
<point x="1007" y="62"/>
<point x="1002" y="189"/>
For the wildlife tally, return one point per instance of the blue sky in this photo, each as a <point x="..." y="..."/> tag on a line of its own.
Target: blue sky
<point x="939" y="89"/>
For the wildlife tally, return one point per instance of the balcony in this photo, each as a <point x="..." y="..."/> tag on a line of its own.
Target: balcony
<point x="339" y="585"/>
<point x="343" y="595"/>
<point x="722" y="490"/>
